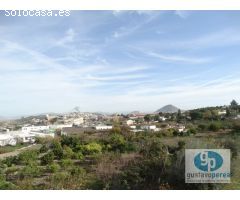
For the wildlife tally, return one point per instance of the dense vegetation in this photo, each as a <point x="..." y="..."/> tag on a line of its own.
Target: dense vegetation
<point x="121" y="159"/>
<point x="116" y="160"/>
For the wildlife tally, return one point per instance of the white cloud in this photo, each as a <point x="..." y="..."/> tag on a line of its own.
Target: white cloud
<point x="55" y="68"/>
<point x="115" y="78"/>
<point x="68" y="37"/>
<point x="177" y="58"/>
<point x="182" y="13"/>
<point x="123" y="31"/>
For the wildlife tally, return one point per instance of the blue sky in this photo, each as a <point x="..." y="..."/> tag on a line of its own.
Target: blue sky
<point x="119" y="61"/>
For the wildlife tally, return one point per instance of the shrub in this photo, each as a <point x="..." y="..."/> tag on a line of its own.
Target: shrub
<point x="71" y="142"/>
<point x="169" y="132"/>
<point x="117" y="143"/>
<point x="78" y="156"/>
<point x="181" y="144"/>
<point x="66" y="163"/>
<point x="31" y="170"/>
<point x="230" y="144"/>
<point x="202" y="127"/>
<point x="214" y="127"/>
<point x="43" y="149"/>
<point x="9" y="161"/>
<point x="11" y="170"/>
<point x="116" y="130"/>
<point x="192" y="131"/>
<point x="67" y="152"/>
<point x="57" y="149"/>
<point x="92" y="148"/>
<point x="4" y="185"/>
<point x="77" y="171"/>
<point x="47" y="158"/>
<point x="176" y="133"/>
<point x="153" y="148"/>
<point x="53" y="168"/>
<point x="236" y="126"/>
<point x="28" y="157"/>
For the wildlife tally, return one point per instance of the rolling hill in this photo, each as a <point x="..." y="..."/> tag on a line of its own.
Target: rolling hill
<point x="168" y="109"/>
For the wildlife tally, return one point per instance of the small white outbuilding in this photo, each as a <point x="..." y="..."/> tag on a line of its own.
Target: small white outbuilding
<point x="103" y="127"/>
<point x="6" y="139"/>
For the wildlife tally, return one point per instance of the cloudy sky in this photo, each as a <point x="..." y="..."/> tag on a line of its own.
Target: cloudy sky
<point x="118" y="61"/>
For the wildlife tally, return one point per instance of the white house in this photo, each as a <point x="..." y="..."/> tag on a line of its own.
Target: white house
<point x="157" y="129"/>
<point x="163" y="119"/>
<point x="222" y="112"/>
<point x="149" y="127"/>
<point x="181" y="128"/>
<point x="24" y="137"/>
<point x="60" y="126"/>
<point x="129" y="122"/>
<point x="28" y="129"/>
<point x="6" y="139"/>
<point x="78" y="121"/>
<point x="103" y="127"/>
<point x="42" y="134"/>
<point x="133" y="127"/>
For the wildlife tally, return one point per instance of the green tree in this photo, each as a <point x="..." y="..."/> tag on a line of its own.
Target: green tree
<point x="179" y="115"/>
<point x="233" y="104"/>
<point x="228" y="112"/>
<point x="147" y="118"/>
<point x="192" y="131"/>
<point x="57" y="149"/>
<point x="215" y="114"/>
<point x="116" y="129"/>
<point x="176" y="132"/>
<point x="156" y="117"/>
<point x="117" y="143"/>
<point x="195" y="115"/>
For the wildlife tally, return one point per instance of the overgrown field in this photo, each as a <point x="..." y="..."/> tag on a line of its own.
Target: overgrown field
<point x="113" y="161"/>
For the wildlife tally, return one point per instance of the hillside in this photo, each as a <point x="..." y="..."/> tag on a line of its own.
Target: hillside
<point x="168" y="109"/>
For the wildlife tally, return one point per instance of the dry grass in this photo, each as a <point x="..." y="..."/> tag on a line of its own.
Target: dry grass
<point x="111" y="164"/>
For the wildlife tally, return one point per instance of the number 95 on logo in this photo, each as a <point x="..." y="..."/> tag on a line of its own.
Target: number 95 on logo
<point x="207" y="166"/>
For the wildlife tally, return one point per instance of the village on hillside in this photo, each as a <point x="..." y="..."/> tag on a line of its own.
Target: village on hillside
<point x="166" y="121"/>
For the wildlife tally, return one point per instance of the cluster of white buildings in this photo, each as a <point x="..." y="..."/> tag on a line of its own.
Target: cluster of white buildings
<point x="13" y="137"/>
<point x="149" y="127"/>
<point x="28" y="134"/>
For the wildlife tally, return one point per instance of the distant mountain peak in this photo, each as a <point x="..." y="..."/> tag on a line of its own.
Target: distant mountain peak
<point x="168" y="109"/>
